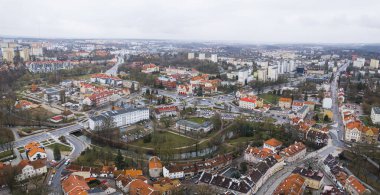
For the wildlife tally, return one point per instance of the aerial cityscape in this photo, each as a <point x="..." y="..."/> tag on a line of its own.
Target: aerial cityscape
<point x="190" y="97"/>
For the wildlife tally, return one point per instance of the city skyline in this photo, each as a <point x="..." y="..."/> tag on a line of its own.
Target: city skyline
<point x="291" y="21"/>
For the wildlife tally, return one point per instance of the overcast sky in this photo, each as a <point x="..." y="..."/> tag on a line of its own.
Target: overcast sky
<point x="253" y="21"/>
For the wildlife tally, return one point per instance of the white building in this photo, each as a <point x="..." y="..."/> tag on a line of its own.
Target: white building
<point x="374" y="64"/>
<point x="37" y="51"/>
<point x="243" y="76"/>
<point x="190" y="56"/>
<point x="327" y="103"/>
<point x="25" y="54"/>
<point x="294" y="152"/>
<point x="214" y="58"/>
<point x="172" y="173"/>
<point x="27" y="169"/>
<point x="272" y="144"/>
<point x="375" y="115"/>
<point x="247" y="103"/>
<point x="262" y="74"/>
<point x="202" y="56"/>
<point x="8" y="54"/>
<point x="120" y="118"/>
<point x="359" y="62"/>
<point x="273" y="73"/>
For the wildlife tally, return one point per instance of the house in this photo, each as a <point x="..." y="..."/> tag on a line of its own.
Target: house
<point x="167" y="186"/>
<point x="150" y="68"/>
<point x="68" y="115"/>
<point x="122" y="117"/>
<point x="313" y="179"/>
<point x="272" y="144"/>
<point x="101" y="98"/>
<point x="238" y="186"/>
<point x="375" y="115"/>
<point x="293" y="184"/>
<point x="302" y="112"/>
<point x="296" y="105"/>
<point x="24" y="105"/>
<point x="107" y="171"/>
<point x="5" y="172"/>
<point x="74" y="185"/>
<point x="355" y="187"/>
<point x="56" y="119"/>
<point x="166" y="82"/>
<point x="294" y="152"/>
<point x="155" y="166"/>
<point x="26" y="169"/>
<point x="255" y="155"/>
<point x="165" y="111"/>
<point x="185" y="89"/>
<point x="134" y="173"/>
<point x="138" y="187"/>
<point x="186" y="125"/>
<point x="285" y="103"/>
<point x="247" y="103"/>
<point x="35" y="151"/>
<point x="122" y="182"/>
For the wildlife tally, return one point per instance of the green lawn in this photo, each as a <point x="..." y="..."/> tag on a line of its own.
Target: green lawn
<point x="6" y="154"/>
<point x="165" y="140"/>
<point x="199" y="120"/>
<point x="269" y="98"/>
<point x="61" y="147"/>
<point x="29" y="129"/>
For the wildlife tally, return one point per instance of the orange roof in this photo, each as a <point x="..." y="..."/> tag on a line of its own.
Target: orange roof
<point x="137" y="186"/>
<point x="355" y="184"/>
<point x="273" y="142"/>
<point x="247" y="99"/>
<point x="297" y="103"/>
<point x="309" y="103"/>
<point x="285" y="99"/>
<point x="155" y="163"/>
<point x="354" y="124"/>
<point x="133" y="172"/>
<point x="292" y="185"/>
<point x="293" y="149"/>
<point x="75" y="185"/>
<point x="32" y="145"/>
<point x="33" y="151"/>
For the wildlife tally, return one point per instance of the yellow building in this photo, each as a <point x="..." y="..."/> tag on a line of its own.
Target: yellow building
<point x="313" y="179"/>
<point x="329" y="113"/>
<point x="8" y="54"/>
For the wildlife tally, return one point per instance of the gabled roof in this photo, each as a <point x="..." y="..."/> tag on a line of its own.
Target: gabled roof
<point x="292" y="185"/>
<point x="155" y="163"/>
<point x="355" y="184"/>
<point x="273" y="142"/>
<point x="75" y="185"/>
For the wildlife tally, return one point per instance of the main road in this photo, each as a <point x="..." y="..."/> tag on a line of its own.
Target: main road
<point x="113" y="71"/>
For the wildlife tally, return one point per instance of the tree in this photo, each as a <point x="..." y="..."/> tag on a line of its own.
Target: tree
<point x="243" y="167"/>
<point x="305" y="97"/>
<point x="326" y="118"/>
<point x="166" y="121"/>
<point x="119" y="160"/>
<point x="57" y="153"/>
<point x="216" y="121"/>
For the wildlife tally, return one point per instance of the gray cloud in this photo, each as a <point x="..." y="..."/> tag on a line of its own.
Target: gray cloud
<point x="259" y="21"/>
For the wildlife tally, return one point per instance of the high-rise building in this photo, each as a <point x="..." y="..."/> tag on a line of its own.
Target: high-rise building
<point x="190" y="56"/>
<point x="202" y="56"/>
<point x="374" y="64"/>
<point x="273" y="73"/>
<point x="262" y="74"/>
<point x="214" y="58"/>
<point x="8" y="54"/>
<point x="25" y="54"/>
<point x="37" y="51"/>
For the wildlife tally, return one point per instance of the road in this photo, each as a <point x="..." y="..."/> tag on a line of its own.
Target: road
<point x="113" y="71"/>
<point x="46" y="135"/>
<point x="334" y="145"/>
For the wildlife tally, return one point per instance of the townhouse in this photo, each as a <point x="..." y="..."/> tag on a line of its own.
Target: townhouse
<point x="313" y="178"/>
<point x="165" y="111"/>
<point x="74" y="185"/>
<point x="293" y="184"/>
<point x="167" y="186"/>
<point x="355" y="187"/>
<point x="294" y="152"/>
<point x="102" y="98"/>
<point x="106" y="80"/>
<point x="237" y="186"/>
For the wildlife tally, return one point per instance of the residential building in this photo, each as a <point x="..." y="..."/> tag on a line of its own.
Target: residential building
<point x="26" y="169"/>
<point x="243" y="76"/>
<point x="302" y="112"/>
<point x="165" y="111"/>
<point x="313" y="179"/>
<point x="48" y="66"/>
<point x="285" y="103"/>
<point x="327" y="103"/>
<point x="214" y="58"/>
<point x="25" y="54"/>
<point x="166" y="82"/>
<point x="294" y="152"/>
<point x="375" y="115"/>
<point x="106" y="80"/>
<point x="359" y="62"/>
<point x="186" y="125"/>
<point x="272" y="144"/>
<point x="190" y="56"/>
<point x="101" y="98"/>
<point x="296" y="105"/>
<point x="119" y="118"/>
<point x="184" y="90"/>
<point x="201" y="56"/>
<point x="255" y="155"/>
<point x="262" y="74"/>
<point x="273" y="73"/>
<point x="122" y="182"/>
<point x="167" y="186"/>
<point x="155" y="166"/>
<point x="74" y="185"/>
<point x="139" y="187"/>
<point x="150" y="68"/>
<point x="8" y="54"/>
<point x="355" y="187"/>
<point x="237" y="186"/>
<point x="374" y="64"/>
<point x="247" y="103"/>
<point x="35" y="151"/>
<point x="37" y="51"/>
<point x="293" y="184"/>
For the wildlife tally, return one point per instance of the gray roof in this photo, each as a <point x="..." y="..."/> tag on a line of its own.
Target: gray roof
<point x="115" y="113"/>
<point x="194" y="125"/>
<point x="376" y="110"/>
<point x="301" y="110"/>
